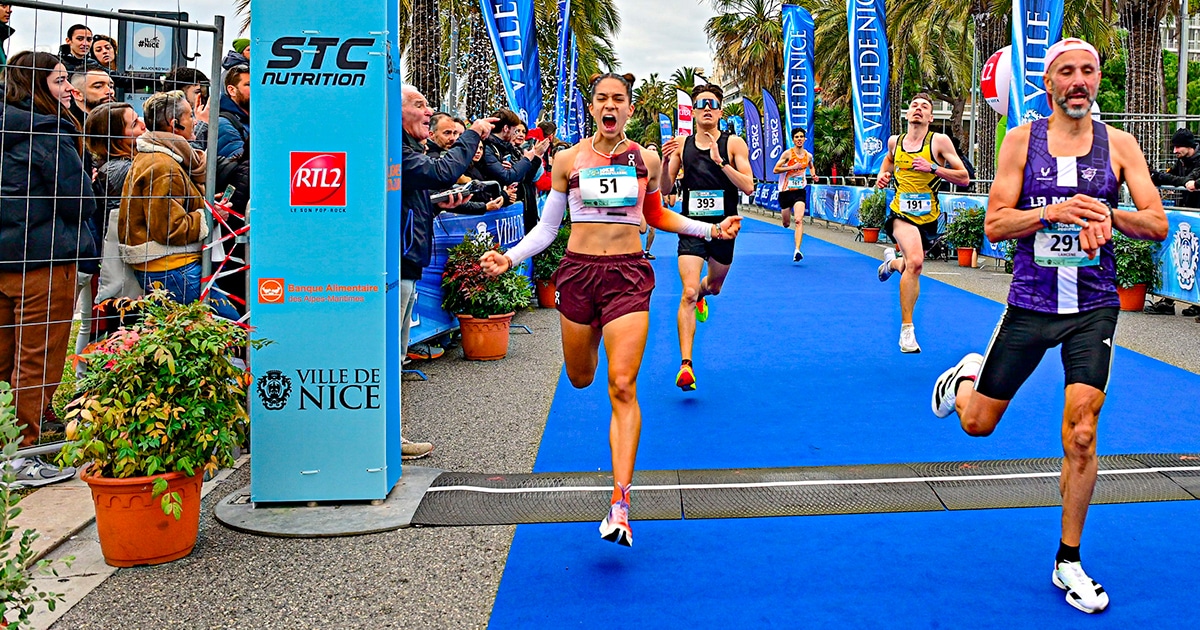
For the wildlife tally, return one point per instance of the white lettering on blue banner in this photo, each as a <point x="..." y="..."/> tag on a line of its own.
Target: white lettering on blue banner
<point x="1037" y="24"/>
<point x="869" y="65"/>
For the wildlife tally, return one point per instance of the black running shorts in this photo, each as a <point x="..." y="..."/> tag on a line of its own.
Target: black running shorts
<point x="1023" y="336"/>
<point x="719" y="250"/>
<point x="929" y="231"/>
<point x="788" y="198"/>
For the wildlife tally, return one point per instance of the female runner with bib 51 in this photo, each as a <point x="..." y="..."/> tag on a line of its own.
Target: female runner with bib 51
<point x="604" y="282"/>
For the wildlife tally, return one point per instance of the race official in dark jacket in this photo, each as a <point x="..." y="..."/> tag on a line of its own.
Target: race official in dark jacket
<point x="1186" y="171"/>
<point x="45" y="199"/>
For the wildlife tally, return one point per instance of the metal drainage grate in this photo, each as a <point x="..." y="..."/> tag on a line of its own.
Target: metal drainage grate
<point x="479" y="499"/>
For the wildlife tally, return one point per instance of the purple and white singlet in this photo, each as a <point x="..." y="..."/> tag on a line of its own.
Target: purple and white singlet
<point x="1050" y="273"/>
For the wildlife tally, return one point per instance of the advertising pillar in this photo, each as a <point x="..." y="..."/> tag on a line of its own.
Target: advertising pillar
<point x="325" y="405"/>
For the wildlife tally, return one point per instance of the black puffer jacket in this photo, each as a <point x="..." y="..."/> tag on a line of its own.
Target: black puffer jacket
<point x="45" y="195"/>
<point x="422" y="175"/>
<point x="109" y="182"/>
<point x="1184" y="170"/>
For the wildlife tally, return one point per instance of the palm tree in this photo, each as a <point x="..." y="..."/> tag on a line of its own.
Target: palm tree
<point x="747" y="35"/>
<point x="1144" y="70"/>
<point x="685" y="78"/>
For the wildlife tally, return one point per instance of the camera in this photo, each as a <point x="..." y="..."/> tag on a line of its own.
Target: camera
<point x="479" y="190"/>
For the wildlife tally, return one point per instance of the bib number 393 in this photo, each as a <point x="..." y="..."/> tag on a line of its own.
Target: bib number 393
<point x="609" y="186"/>
<point x="1059" y="247"/>
<point x="916" y="204"/>
<point x="706" y="203"/>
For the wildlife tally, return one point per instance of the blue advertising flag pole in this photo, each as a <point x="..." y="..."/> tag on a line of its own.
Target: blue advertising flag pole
<point x="869" y="68"/>
<point x="1036" y="25"/>
<point x="325" y="406"/>
<point x="799" y="77"/>
<point x="754" y="139"/>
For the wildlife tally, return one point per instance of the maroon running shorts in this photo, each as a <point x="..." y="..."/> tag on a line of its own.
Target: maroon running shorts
<point x="595" y="290"/>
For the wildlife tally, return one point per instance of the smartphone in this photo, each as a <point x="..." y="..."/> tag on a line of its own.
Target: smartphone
<point x="228" y="194"/>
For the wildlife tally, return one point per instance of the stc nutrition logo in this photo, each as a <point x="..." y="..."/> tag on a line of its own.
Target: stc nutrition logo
<point x="318" y="179"/>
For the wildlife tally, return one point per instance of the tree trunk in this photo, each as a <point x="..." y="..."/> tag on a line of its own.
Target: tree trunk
<point x="425" y="51"/>
<point x="991" y="34"/>
<point x="1144" y="74"/>
<point x="958" y="106"/>
<point x="896" y="89"/>
<point x="481" y="74"/>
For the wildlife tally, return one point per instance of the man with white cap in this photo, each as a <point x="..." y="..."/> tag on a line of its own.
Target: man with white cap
<point x="1056" y="184"/>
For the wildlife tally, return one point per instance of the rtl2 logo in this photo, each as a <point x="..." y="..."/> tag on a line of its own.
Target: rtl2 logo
<point x="318" y="179"/>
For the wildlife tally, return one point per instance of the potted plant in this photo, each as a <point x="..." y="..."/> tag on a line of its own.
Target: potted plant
<point x="965" y="233"/>
<point x="160" y="404"/>
<point x="871" y="214"/>
<point x="483" y="304"/>
<point x="18" y="593"/>
<point x="1137" y="270"/>
<point x="546" y="263"/>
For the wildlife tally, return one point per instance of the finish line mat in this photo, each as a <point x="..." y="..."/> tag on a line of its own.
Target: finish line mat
<point x="481" y="499"/>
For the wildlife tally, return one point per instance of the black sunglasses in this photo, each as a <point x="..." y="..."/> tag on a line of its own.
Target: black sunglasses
<point x="708" y="103"/>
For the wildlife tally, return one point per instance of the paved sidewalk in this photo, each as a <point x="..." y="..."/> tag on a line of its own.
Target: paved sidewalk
<point x="483" y="417"/>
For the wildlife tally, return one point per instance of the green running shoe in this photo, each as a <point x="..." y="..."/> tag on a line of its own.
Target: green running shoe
<point x="702" y="310"/>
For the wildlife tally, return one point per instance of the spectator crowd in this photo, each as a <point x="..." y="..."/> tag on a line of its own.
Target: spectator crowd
<point x="99" y="203"/>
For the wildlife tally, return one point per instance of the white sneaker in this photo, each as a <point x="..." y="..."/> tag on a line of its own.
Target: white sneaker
<point x="945" y="389"/>
<point x="908" y="340"/>
<point x="885" y="270"/>
<point x="1082" y="591"/>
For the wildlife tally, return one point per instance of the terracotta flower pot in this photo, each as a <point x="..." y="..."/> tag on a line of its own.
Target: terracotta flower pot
<point x="132" y="526"/>
<point x="870" y="235"/>
<point x="545" y="293"/>
<point x="484" y="339"/>
<point x="966" y="256"/>
<point x="1132" y="298"/>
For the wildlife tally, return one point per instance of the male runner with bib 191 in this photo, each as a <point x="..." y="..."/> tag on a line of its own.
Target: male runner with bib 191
<point x="604" y="281"/>
<point x="712" y="176"/>
<point x="794" y="168"/>
<point x="1057" y="180"/>
<point x="912" y="223"/>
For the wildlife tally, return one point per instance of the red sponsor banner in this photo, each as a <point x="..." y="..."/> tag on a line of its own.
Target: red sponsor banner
<point x="318" y="179"/>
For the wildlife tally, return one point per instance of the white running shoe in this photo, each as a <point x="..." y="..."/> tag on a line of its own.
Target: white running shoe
<point x="908" y="340"/>
<point x="1082" y="591"/>
<point x="945" y="389"/>
<point x="885" y="270"/>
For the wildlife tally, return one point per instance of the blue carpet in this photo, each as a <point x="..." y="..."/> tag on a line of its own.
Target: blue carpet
<point x="798" y="365"/>
<point x="979" y="569"/>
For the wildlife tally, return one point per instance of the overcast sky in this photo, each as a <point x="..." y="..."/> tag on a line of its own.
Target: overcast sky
<point x="656" y="35"/>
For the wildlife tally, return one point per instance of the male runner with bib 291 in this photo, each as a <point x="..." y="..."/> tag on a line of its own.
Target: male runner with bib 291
<point x="1057" y="180"/>
<point x="716" y="165"/>
<point x="915" y="157"/>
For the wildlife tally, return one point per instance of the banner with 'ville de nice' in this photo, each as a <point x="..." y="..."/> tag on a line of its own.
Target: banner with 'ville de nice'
<point x="799" y="79"/>
<point x="869" y="65"/>
<point x="562" y="90"/>
<point x="1037" y="25"/>
<point x="511" y="25"/>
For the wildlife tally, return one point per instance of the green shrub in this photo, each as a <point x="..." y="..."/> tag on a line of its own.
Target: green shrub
<point x="873" y="210"/>
<point x="966" y="230"/>
<point x="161" y="396"/>
<point x="1135" y="262"/>
<point x="470" y="291"/>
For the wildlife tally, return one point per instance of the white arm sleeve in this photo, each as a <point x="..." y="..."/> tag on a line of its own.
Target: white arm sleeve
<point x="542" y="234"/>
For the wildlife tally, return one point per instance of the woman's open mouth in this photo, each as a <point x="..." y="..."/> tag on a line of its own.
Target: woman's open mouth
<point x="608" y="122"/>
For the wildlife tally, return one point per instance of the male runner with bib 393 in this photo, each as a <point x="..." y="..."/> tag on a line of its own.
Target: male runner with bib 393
<point x="1057" y="180"/>
<point x="716" y="165"/>
<point x="915" y="157"/>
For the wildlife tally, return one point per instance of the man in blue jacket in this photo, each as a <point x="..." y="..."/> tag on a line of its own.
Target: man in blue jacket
<point x="233" y="129"/>
<point x="422" y="174"/>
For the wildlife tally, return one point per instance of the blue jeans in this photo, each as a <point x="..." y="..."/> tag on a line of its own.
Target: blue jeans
<point x="183" y="284"/>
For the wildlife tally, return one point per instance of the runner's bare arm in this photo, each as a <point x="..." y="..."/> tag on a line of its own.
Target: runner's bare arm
<point x="954" y="171"/>
<point x="1149" y="221"/>
<point x="674" y="161"/>
<point x="738" y="170"/>
<point x="885" y="171"/>
<point x="781" y="165"/>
